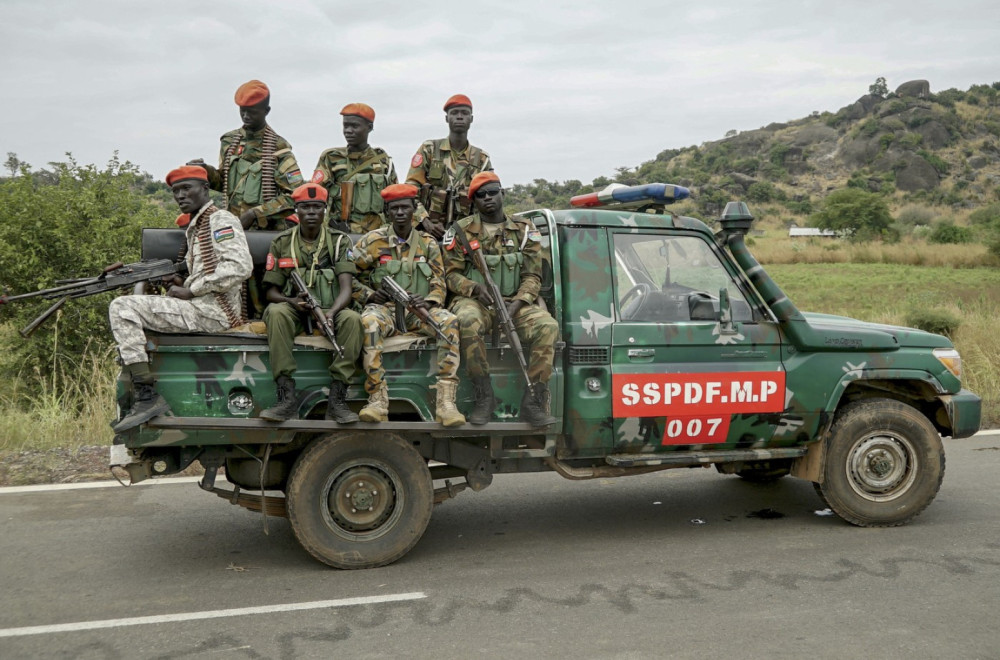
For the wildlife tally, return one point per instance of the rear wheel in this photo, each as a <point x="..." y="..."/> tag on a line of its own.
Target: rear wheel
<point x="884" y="463"/>
<point x="359" y="501"/>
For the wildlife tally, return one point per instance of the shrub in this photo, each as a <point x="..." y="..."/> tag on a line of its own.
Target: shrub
<point x="861" y="214"/>
<point x="949" y="232"/>
<point x="987" y="215"/>
<point x="914" y="215"/>
<point x="938" y="321"/>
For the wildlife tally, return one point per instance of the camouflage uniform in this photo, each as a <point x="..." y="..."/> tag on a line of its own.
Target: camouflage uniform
<point x="241" y="161"/>
<point x="370" y="170"/>
<point x="437" y="164"/>
<point x="218" y="261"/>
<point x="284" y="321"/>
<point x="416" y="265"/>
<point x="514" y="246"/>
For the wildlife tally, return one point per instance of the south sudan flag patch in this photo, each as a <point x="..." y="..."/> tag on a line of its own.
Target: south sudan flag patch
<point x="223" y="234"/>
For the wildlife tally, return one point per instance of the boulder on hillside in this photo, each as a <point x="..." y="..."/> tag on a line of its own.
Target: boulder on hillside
<point x="934" y="133"/>
<point x="742" y="180"/>
<point x="978" y="162"/>
<point x="859" y="152"/>
<point x="813" y="134"/>
<point x="916" y="174"/>
<point x="861" y="107"/>
<point x="920" y="89"/>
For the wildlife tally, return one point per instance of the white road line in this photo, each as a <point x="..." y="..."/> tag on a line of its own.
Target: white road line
<point x="40" y="488"/>
<point x="210" y="614"/>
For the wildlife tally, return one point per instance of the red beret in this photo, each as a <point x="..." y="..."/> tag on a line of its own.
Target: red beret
<point x="457" y="99"/>
<point x="186" y="172"/>
<point x="309" y="192"/>
<point x="480" y="180"/>
<point x="399" y="191"/>
<point x="252" y="93"/>
<point x="359" y="109"/>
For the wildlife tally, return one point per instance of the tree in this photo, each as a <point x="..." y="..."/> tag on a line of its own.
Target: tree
<point x="879" y="89"/>
<point x="860" y="214"/>
<point x="70" y="222"/>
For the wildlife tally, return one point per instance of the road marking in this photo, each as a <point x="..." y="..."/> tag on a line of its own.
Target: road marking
<point x="210" y="614"/>
<point x="41" y="488"/>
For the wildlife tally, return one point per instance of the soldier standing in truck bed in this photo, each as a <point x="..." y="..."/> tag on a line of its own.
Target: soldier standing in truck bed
<point x="513" y="250"/>
<point x="450" y="162"/>
<point x="413" y="259"/>
<point x="257" y="171"/>
<point x="355" y="175"/>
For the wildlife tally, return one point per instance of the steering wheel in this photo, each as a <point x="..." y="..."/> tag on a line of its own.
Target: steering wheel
<point x="629" y="309"/>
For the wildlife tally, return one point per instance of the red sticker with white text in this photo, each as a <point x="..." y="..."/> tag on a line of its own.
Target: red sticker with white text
<point x="695" y="430"/>
<point x="287" y="262"/>
<point x="417" y="161"/>
<point x="269" y="265"/>
<point x="697" y="394"/>
<point x="384" y="259"/>
<point x="318" y="176"/>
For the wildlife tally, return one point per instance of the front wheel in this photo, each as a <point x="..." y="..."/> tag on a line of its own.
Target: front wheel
<point x="359" y="500"/>
<point x="884" y="463"/>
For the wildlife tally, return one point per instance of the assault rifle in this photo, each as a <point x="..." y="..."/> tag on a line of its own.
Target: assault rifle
<point x="115" y="276"/>
<point x="503" y="315"/>
<point x="403" y="297"/>
<point x="316" y="312"/>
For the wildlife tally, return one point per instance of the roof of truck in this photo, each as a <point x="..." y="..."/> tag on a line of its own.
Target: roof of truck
<point x="627" y="218"/>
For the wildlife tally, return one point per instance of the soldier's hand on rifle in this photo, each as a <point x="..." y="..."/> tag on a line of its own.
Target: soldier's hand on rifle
<point x="300" y="302"/>
<point x="514" y="306"/>
<point x="379" y="297"/>
<point x="435" y="229"/>
<point x="482" y="294"/>
<point x="418" y="301"/>
<point x="180" y="292"/>
<point x="171" y="280"/>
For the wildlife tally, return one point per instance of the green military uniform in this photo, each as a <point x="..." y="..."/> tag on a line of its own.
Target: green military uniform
<point x="415" y="265"/>
<point x="437" y="164"/>
<point x="513" y="252"/>
<point x="369" y="171"/>
<point x="258" y="171"/>
<point x="313" y="262"/>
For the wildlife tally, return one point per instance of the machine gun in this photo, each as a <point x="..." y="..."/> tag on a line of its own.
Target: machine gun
<point x="403" y="297"/>
<point x="316" y="312"/>
<point x="503" y="315"/>
<point x="115" y="276"/>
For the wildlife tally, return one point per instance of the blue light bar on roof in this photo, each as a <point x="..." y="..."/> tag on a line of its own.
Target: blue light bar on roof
<point x="616" y="193"/>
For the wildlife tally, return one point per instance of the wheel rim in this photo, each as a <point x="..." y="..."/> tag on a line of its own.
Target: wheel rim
<point x="362" y="500"/>
<point x="882" y="466"/>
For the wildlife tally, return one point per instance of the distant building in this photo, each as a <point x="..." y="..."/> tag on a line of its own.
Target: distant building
<point x="811" y="232"/>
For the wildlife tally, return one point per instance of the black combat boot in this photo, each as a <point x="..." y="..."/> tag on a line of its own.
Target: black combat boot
<point x="287" y="406"/>
<point x="147" y="404"/>
<point x="482" y="411"/>
<point x="533" y="406"/>
<point x="336" y="407"/>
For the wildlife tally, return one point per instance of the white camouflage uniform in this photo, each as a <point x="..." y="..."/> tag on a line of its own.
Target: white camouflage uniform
<point x="213" y="292"/>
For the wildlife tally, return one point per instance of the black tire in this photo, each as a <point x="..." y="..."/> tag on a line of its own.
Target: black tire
<point x="359" y="500"/>
<point x="884" y="463"/>
<point x="766" y="472"/>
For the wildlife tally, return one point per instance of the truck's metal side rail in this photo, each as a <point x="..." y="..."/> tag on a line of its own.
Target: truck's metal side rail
<point x="430" y="428"/>
<point x="706" y="457"/>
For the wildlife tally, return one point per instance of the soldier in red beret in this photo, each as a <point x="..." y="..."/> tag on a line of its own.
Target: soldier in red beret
<point x="257" y="171"/>
<point x="413" y="259"/>
<point x="449" y="162"/>
<point x="208" y="300"/>
<point x="355" y="175"/>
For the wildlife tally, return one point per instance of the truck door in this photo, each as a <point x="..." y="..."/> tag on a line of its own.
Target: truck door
<point x="680" y="377"/>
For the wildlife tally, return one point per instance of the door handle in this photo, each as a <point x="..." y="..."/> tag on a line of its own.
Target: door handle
<point x="641" y="352"/>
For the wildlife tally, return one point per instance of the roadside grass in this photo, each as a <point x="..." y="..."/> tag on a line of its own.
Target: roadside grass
<point x="909" y="252"/>
<point x="70" y="411"/>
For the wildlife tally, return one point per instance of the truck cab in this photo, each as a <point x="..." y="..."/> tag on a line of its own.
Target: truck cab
<point x="676" y="351"/>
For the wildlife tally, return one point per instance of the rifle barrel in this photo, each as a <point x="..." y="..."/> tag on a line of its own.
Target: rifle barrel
<point x="31" y="327"/>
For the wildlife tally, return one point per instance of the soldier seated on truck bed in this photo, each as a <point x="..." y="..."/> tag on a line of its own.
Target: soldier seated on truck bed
<point x="209" y="300"/>
<point x="324" y="260"/>
<point x="513" y="252"/>
<point x="413" y="259"/>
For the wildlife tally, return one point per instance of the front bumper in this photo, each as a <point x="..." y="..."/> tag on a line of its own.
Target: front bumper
<point x="965" y="411"/>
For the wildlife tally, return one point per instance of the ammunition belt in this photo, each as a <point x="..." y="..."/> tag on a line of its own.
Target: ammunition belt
<point x="210" y="261"/>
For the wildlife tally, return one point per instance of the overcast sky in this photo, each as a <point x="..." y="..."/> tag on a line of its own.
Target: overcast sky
<point x="561" y="90"/>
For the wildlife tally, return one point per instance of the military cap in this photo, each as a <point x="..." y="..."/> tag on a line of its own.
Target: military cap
<point x="399" y="191"/>
<point x="310" y="192"/>
<point x="360" y="109"/>
<point x="481" y="180"/>
<point x="251" y="93"/>
<point x="457" y="99"/>
<point x="187" y="172"/>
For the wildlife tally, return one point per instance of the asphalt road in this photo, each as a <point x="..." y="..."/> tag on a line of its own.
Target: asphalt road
<point x="675" y="564"/>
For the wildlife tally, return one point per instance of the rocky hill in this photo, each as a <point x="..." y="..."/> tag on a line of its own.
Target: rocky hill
<point x="915" y="147"/>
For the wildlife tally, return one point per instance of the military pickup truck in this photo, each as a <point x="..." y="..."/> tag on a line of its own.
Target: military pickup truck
<point x="677" y="351"/>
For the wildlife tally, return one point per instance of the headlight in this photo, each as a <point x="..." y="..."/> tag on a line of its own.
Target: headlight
<point x="951" y="360"/>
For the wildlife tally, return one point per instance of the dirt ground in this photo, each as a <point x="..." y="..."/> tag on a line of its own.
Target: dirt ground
<point x="59" y="466"/>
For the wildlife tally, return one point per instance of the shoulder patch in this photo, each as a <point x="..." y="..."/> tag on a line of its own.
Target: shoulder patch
<point x="535" y="235"/>
<point x="294" y="177"/>
<point x="223" y="234"/>
<point x="449" y="236"/>
<point x="269" y="264"/>
<point x="418" y="160"/>
<point x="318" y="176"/>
